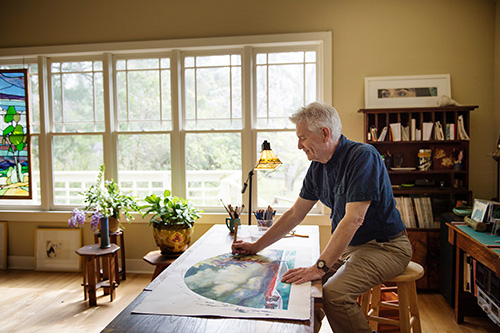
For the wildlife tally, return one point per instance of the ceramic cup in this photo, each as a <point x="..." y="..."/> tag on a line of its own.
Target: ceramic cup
<point x="230" y="222"/>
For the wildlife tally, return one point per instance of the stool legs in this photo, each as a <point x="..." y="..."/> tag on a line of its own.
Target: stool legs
<point x="415" y="320"/>
<point x="91" y="280"/>
<point x="407" y="306"/>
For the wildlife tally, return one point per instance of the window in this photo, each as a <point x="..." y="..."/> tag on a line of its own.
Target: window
<point x="144" y="124"/>
<point x="34" y="112"/>
<point x="188" y="118"/>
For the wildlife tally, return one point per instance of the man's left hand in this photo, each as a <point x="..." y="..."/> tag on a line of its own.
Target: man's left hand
<point x="302" y="274"/>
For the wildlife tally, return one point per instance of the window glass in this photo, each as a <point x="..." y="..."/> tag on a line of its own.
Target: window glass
<point x="213" y="168"/>
<point x="144" y="163"/>
<point x="144" y="98"/>
<point x="285" y="81"/>
<point x="77" y="96"/>
<point x="280" y="188"/>
<point x="75" y="166"/>
<point x="213" y="92"/>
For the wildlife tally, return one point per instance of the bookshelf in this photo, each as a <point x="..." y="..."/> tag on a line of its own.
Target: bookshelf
<point x="404" y="137"/>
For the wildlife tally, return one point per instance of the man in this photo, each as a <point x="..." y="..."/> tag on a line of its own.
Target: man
<point x="368" y="244"/>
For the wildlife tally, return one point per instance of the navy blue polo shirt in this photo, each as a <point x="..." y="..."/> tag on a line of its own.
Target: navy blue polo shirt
<point x="355" y="172"/>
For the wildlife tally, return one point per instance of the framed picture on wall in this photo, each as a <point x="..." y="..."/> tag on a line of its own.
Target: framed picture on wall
<point x="3" y="245"/>
<point x="55" y="249"/>
<point x="406" y="91"/>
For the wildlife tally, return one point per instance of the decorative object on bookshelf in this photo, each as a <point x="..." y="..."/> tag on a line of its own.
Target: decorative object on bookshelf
<point x="447" y="101"/>
<point x="443" y="157"/>
<point x="406" y="91"/>
<point x="424" y="159"/>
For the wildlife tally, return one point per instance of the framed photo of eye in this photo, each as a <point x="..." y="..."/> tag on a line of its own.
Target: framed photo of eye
<point x="406" y="91"/>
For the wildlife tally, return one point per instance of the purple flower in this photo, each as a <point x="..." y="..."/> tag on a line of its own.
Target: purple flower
<point x="77" y="219"/>
<point x="94" y="221"/>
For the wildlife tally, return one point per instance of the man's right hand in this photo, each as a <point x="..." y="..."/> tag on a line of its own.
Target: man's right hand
<point x="243" y="248"/>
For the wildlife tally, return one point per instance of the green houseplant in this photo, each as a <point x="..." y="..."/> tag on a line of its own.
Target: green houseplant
<point x="172" y="220"/>
<point x="104" y="200"/>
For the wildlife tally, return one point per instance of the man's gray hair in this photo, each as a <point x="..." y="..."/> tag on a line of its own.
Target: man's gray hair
<point x="317" y="115"/>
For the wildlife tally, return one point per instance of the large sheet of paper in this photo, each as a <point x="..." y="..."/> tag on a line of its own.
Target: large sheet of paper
<point x="209" y="281"/>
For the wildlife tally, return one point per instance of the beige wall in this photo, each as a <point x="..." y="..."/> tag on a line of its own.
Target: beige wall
<point x="370" y="38"/>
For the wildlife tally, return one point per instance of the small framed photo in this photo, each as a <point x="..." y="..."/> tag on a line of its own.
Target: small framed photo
<point x="479" y="210"/>
<point x="495" y="230"/>
<point x="55" y="249"/>
<point x="406" y="91"/>
<point x="3" y="245"/>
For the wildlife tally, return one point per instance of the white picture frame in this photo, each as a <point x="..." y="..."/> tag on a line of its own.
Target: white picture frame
<point x="406" y="91"/>
<point x="55" y="249"/>
<point x="3" y="245"/>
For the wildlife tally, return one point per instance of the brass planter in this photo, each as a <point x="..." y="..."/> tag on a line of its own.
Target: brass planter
<point x="172" y="239"/>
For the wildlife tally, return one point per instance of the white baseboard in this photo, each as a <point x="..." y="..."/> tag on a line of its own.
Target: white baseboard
<point x="28" y="263"/>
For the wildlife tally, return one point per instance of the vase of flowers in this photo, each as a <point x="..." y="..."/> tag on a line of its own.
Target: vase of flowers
<point x="104" y="200"/>
<point x="173" y="221"/>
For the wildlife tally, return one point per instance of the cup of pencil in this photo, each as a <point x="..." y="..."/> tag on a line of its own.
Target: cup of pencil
<point x="233" y="220"/>
<point x="264" y="218"/>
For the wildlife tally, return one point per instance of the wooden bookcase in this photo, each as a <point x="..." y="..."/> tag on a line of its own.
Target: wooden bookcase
<point x="444" y="183"/>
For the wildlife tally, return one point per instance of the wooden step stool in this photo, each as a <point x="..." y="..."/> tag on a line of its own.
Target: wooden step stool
<point x="91" y="278"/>
<point x="406" y="304"/>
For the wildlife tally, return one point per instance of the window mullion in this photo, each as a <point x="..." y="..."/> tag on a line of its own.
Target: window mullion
<point x="177" y="146"/>
<point x="110" y="140"/>
<point x="44" y="143"/>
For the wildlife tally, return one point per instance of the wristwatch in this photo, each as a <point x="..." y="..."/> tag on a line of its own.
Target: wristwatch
<point x="321" y="264"/>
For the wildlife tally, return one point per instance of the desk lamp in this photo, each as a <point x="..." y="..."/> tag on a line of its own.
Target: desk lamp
<point x="267" y="161"/>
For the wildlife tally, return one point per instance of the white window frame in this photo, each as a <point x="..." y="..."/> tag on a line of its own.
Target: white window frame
<point x="247" y="45"/>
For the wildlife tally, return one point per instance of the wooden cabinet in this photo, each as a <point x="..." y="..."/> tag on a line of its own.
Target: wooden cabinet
<point x="444" y="182"/>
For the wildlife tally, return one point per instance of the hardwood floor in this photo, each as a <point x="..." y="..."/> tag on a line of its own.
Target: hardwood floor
<point x="53" y="302"/>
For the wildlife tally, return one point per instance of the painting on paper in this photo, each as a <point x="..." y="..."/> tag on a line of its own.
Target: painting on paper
<point x="250" y="281"/>
<point x="15" y="171"/>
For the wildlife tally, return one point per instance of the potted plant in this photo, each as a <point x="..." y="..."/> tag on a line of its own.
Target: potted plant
<point x="104" y="200"/>
<point x="173" y="221"/>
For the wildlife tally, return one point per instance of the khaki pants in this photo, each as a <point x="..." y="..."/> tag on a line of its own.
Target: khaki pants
<point x="361" y="267"/>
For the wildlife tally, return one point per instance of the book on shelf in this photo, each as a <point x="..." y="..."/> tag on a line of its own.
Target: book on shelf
<point x="383" y="134"/>
<point x="450" y="131"/>
<point x="396" y="131"/>
<point x="438" y="131"/>
<point x="462" y="134"/>
<point x="427" y="131"/>
<point x="413" y="129"/>
<point x="423" y="208"/>
<point x="372" y="134"/>
<point x="405" y="207"/>
<point x="405" y="133"/>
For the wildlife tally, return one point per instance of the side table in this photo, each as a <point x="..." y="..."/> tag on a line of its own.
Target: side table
<point x="91" y="278"/>
<point x="113" y="238"/>
<point x="160" y="261"/>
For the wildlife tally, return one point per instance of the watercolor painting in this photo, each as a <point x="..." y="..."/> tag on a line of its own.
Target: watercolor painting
<point x="250" y="281"/>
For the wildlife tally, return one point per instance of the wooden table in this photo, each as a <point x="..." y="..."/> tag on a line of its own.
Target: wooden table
<point x="479" y="245"/>
<point x="128" y="322"/>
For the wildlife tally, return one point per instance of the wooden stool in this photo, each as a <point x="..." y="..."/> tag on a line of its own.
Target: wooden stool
<point x="160" y="261"/>
<point x="91" y="278"/>
<point x="113" y="238"/>
<point x="406" y="304"/>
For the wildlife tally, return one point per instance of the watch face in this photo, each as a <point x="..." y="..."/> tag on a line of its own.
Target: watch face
<point x="320" y="264"/>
